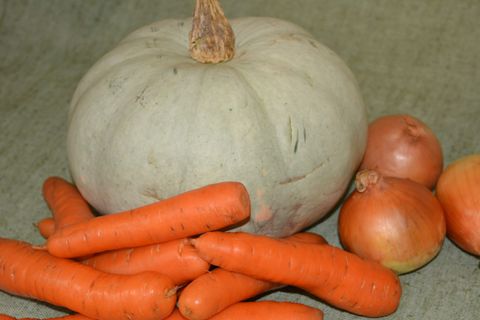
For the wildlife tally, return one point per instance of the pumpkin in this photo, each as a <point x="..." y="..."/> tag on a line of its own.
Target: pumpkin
<point x="183" y="103"/>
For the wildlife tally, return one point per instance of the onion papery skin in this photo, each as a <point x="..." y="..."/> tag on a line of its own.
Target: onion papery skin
<point x="403" y="146"/>
<point x="458" y="190"/>
<point x="394" y="221"/>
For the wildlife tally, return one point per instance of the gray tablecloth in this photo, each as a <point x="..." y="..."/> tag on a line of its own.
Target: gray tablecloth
<point x="410" y="56"/>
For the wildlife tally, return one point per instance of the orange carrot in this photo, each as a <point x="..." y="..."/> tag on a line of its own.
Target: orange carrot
<point x="340" y="278"/>
<point x="197" y="211"/>
<point x="65" y="201"/>
<point x="46" y="227"/>
<point x="306" y="237"/>
<point x="262" y="310"/>
<point x="175" y="315"/>
<point x="67" y="317"/>
<point x="176" y="259"/>
<point x="214" y="291"/>
<point x="269" y="310"/>
<point x="35" y="274"/>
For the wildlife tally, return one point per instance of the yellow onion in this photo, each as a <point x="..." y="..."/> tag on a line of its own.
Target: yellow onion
<point x="458" y="190"/>
<point x="402" y="146"/>
<point x="394" y="221"/>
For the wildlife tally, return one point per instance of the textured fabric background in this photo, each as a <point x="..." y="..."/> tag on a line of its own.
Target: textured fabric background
<point x="409" y="56"/>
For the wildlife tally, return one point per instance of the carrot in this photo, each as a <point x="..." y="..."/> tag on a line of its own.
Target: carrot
<point x="46" y="227"/>
<point x="66" y="204"/>
<point x="176" y="315"/>
<point x="66" y="317"/>
<point x="262" y="310"/>
<point x="269" y="310"/>
<point x="176" y="259"/>
<point x="306" y="237"/>
<point x="340" y="278"/>
<point x="197" y="211"/>
<point x="214" y="291"/>
<point x="65" y="201"/>
<point x="27" y="272"/>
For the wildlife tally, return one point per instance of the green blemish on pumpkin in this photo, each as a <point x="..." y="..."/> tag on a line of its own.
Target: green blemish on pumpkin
<point x="295" y="148"/>
<point x="290" y="129"/>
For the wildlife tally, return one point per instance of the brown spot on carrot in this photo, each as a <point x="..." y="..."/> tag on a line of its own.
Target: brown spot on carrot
<point x="347" y="263"/>
<point x="289" y="264"/>
<point x="186" y="312"/>
<point x="129" y="254"/>
<point x="334" y="288"/>
<point x="92" y="284"/>
<point x="181" y="246"/>
<point x="40" y="247"/>
<point x="385" y="290"/>
<point x="171" y="292"/>
<point x="362" y="284"/>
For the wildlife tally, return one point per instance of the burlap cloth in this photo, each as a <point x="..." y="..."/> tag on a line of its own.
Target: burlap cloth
<point x="409" y="56"/>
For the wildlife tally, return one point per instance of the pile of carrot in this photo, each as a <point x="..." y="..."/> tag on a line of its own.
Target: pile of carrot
<point x="178" y="259"/>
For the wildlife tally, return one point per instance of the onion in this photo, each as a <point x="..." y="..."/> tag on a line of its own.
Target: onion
<point x="404" y="147"/>
<point x="394" y="221"/>
<point x="458" y="190"/>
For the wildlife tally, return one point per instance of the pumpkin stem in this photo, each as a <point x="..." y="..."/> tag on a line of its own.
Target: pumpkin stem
<point x="211" y="39"/>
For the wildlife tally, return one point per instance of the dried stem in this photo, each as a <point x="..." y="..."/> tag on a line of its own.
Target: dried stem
<point x="366" y="178"/>
<point x="211" y="39"/>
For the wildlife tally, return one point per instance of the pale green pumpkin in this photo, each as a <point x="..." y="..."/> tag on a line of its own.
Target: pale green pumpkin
<point x="284" y="117"/>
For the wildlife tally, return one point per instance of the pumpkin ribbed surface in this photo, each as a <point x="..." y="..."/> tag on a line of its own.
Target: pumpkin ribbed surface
<point x="284" y="117"/>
